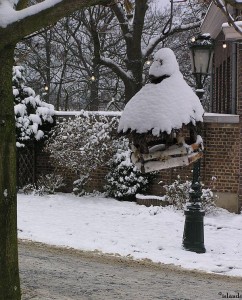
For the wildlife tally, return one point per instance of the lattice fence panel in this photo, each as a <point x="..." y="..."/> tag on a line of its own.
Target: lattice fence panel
<point x="26" y="166"/>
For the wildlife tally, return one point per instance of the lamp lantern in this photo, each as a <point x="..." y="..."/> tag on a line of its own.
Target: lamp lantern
<point x="201" y="52"/>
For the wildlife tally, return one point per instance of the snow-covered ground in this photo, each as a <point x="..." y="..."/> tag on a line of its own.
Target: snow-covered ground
<point x="98" y="223"/>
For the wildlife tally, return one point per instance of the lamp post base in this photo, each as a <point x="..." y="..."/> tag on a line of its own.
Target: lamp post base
<point x="193" y="236"/>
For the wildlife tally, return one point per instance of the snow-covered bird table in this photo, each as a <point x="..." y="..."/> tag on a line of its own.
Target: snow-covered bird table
<point x="158" y="118"/>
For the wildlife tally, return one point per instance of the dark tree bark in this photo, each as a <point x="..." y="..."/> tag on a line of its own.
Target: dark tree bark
<point x="9" y="278"/>
<point x="93" y="101"/>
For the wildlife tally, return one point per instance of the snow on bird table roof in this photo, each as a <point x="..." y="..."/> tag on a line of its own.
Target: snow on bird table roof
<point x="164" y="106"/>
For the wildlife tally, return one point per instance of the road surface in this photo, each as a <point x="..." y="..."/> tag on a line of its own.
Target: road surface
<point x="49" y="273"/>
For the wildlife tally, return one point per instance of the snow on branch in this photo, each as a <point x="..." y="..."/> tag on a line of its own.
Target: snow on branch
<point x="9" y="15"/>
<point x="121" y="16"/>
<point x="116" y="68"/>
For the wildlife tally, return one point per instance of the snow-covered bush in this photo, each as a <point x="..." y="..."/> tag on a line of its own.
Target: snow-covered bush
<point x="46" y="184"/>
<point x="33" y="189"/>
<point x="79" y="185"/>
<point x="83" y="144"/>
<point x="33" y="116"/>
<point x="124" y="181"/>
<point x="50" y="183"/>
<point x="177" y="194"/>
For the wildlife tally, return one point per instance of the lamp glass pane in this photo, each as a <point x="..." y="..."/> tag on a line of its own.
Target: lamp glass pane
<point x="192" y="61"/>
<point x="210" y="62"/>
<point x="201" y="60"/>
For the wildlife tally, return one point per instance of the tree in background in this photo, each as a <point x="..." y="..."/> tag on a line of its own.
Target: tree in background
<point x="46" y="56"/>
<point x="113" y="43"/>
<point x="61" y="59"/>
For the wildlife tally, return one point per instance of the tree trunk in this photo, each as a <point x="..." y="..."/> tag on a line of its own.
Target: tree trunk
<point x="94" y="101"/>
<point x="48" y="66"/>
<point x="131" y="88"/>
<point x="9" y="272"/>
<point x="94" y="86"/>
<point x="58" y="97"/>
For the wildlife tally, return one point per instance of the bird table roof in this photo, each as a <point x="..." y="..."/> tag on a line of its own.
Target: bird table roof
<point x="165" y="106"/>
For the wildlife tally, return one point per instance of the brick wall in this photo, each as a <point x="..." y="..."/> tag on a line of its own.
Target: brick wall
<point x="97" y="181"/>
<point x="221" y="135"/>
<point x="221" y="157"/>
<point x="221" y="160"/>
<point x="44" y="165"/>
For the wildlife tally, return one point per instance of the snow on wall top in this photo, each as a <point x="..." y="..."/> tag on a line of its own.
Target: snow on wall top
<point x="164" y="106"/>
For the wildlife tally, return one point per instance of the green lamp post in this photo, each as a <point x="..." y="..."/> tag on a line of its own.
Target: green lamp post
<point x="201" y="50"/>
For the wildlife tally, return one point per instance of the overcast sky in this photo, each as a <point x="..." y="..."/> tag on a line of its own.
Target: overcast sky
<point x="162" y="3"/>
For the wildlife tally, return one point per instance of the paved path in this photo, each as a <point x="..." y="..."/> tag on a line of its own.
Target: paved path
<point x="61" y="274"/>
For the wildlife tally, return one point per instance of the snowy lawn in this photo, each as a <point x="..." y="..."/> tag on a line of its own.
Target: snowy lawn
<point x="97" y="223"/>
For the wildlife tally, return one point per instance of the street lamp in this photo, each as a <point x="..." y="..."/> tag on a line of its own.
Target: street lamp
<point x="201" y="50"/>
<point x="93" y="78"/>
